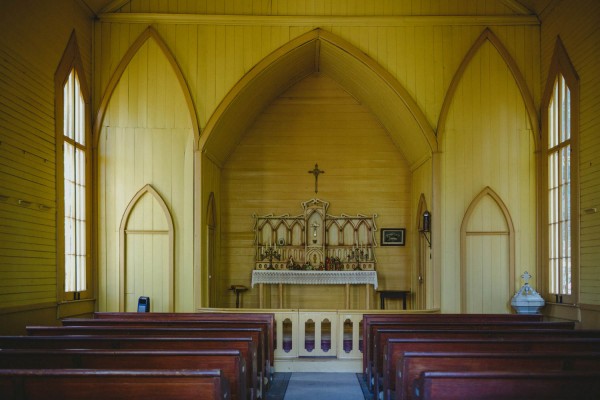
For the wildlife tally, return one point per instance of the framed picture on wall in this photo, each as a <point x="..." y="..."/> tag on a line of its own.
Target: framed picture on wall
<point x="393" y="236"/>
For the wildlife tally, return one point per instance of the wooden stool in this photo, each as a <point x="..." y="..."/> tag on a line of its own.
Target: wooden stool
<point x="237" y="289"/>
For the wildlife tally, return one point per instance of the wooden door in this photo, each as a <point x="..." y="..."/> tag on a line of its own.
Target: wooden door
<point x="487" y="256"/>
<point x="147" y="271"/>
<point x="146" y="253"/>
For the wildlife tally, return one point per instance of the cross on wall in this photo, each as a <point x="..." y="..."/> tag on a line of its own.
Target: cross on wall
<point x="316" y="171"/>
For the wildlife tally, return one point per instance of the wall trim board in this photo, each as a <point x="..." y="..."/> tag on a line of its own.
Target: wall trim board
<point x="28" y="307"/>
<point x="287" y="20"/>
<point x="589" y="307"/>
<point x="75" y="308"/>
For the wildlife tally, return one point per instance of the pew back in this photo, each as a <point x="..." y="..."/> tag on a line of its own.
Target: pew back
<point x="245" y="345"/>
<point x="369" y="319"/>
<point x="396" y="348"/>
<point x="265" y="318"/>
<point x="174" y="320"/>
<point x="229" y="362"/>
<point x="508" y="385"/>
<point x="66" y="384"/>
<point x="412" y="364"/>
<point x="213" y="332"/>
<point x="382" y="363"/>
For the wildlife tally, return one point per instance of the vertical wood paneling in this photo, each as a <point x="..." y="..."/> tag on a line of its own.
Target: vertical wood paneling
<point x="150" y="145"/>
<point x="314" y="121"/>
<point x="487" y="144"/>
<point x="487" y="259"/>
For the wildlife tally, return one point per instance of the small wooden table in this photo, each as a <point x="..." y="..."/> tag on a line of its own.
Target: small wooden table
<point x="237" y="289"/>
<point x="392" y="294"/>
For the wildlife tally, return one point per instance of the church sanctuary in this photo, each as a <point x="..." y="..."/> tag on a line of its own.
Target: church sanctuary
<point x="299" y="199"/>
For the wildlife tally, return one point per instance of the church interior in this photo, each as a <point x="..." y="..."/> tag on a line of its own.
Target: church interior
<point x="316" y="160"/>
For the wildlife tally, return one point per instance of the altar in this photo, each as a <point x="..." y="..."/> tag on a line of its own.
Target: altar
<point x="315" y="248"/>
<point x="289" y="277"/>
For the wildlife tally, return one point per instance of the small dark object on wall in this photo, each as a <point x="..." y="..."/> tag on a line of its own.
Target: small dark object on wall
<point x="393" y="236"/>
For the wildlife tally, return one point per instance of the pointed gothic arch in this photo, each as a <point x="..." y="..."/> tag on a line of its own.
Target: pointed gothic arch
<point x="486" y="193"/>
<point x="319" y="51"/>
<point x="488" y="35"/>
<point x="147" y="189"/>
<point x="149" y="33"/>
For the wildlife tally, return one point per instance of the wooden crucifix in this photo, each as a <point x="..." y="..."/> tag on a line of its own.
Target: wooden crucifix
<point x="316" y="171"/>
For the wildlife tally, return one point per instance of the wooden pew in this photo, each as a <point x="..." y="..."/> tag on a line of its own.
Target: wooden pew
<point x="374" y="343"/>
<point x="67" y="384"/>
<point x="468" y="329"/>
<point x="191" y="320"/>
<point x="267" y="319"/>
<point x="214" y="331"/>
<point x="396" y="348"/>
<point x="150" y="338"/>
<point x="508" y="385"/>
<point x="412" y="364"/>
<point x="229" y="362"/>
<point x="369" y="319"/>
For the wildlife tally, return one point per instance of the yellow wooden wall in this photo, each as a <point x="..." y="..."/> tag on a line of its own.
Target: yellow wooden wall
<point x="213" y="52"/>
<point x="423" y="54"/>
<point x="579" y="31"/>
<point x="146" y="138"/>
<point x="28" y="61"/>
<point x="487" y="141"/>
<point x="315" y="121"/>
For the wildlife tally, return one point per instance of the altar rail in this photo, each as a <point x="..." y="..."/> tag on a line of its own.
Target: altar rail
<point x="324" y="335"/>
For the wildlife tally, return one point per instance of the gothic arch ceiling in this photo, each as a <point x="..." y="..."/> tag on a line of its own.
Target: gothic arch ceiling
<point x="319" y="51"/>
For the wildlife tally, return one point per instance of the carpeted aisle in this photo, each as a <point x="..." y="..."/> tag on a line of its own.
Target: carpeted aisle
<point x="278" y="386"/>
<point x="316" y="386"/>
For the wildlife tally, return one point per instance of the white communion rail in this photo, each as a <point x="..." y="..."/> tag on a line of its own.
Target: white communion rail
<point x="318" y="340"/>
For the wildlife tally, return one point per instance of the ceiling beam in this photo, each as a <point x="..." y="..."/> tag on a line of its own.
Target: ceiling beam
<point x="112" y="6"/>
<point x="517" y="7"/>
<point x="316" y="20"/>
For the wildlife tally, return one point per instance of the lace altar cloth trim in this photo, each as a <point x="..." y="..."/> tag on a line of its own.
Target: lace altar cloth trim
<point x="314" y="277"/>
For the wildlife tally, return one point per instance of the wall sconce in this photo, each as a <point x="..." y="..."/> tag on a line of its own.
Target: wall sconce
<point x="426" y="227"/>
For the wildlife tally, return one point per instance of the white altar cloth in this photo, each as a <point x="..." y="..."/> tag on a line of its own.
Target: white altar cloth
<point x="289" y="277"/>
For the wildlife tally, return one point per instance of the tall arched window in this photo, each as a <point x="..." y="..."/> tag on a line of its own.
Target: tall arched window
<point x="73" y="176"/>
<point x="561" y="219"/>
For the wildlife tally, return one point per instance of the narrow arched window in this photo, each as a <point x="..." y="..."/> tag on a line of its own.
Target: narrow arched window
<point x="73" y="172"/>
<point x="561" y="160"/>
<point x="74" y="184"/>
